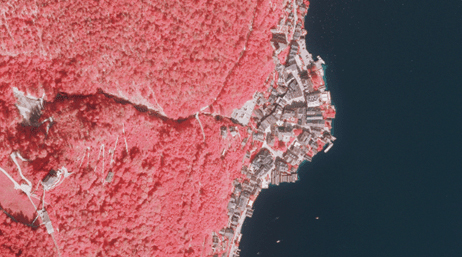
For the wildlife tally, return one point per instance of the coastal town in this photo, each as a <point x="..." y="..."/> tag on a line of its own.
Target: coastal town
<point x="288" y="124"/>
<point x="273" y="133"/>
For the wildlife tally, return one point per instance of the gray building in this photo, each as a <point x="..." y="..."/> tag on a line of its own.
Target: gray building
<point x="270" y="139"/>
<point x="109" y="177"/>
<point x="223" y="131"/>
<point x="46" y="220"/>
<point x="281" y="166"/>
<point x="304" y="138"/>
<point x="51" y="179"/>
<point x="258" y="136"/>
<point x="262" y="162"/>
<point x="29" y="107"/>
<point x="290" y="157"/>
<point x="268" y="121"/>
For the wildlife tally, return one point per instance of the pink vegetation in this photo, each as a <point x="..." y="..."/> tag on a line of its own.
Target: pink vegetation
<point x="316" y="77"/>
<point x="279" y="145"/>
<point x="329" y="113"/>
<point x="169" y="191"/>
<point x="320" y="145"/>
<point x="172" y="56"/>
<point x="171" y="186"/>
<point x="297" y="132"/>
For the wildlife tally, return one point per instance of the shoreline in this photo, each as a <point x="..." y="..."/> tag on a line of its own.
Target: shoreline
<point x="288" y="124"/>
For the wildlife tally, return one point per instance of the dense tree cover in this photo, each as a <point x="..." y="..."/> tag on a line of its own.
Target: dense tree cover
<point x="122" y="81"/>
<point x="168" y="194"/>
<point x="171" y="56"/>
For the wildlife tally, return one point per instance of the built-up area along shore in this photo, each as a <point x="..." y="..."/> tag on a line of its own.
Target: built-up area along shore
<point x="288" y="124"/>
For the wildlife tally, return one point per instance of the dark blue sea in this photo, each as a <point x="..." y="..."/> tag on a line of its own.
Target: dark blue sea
<point x="392" y="183"/>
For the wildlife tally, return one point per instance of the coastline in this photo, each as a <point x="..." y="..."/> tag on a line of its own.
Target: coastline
<point x="133" y="159"/>
<point x="289" y="123"/>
